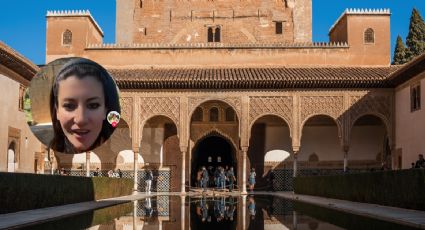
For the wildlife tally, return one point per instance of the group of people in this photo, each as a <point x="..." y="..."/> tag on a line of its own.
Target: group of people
<point x="220" y="177"/>
<point x="224" y="209"/>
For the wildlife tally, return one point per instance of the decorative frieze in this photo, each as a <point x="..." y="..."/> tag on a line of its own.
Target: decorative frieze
<point x="332" y="106"/>
<point x="167" y="106"/>
<point x="280" y="106"/>
<point x="234" y="102"/>
<point x="127" y="109"/>
<point x="379" y="105"/>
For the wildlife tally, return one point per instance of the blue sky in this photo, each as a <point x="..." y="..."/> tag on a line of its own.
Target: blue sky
<point x="23" y="23"/>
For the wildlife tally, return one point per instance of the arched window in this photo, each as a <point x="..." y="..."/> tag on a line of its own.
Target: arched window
<point x="210" y="35"/>
<point x="141" y="4"/>
<point x="415" y="97"/>
<point x="198" y="115"/>
<point x="217" y="34"/>
<point x="67" y="37"/>
<point x="369" y="36"/>
<point x="11" y="157"/>
<point x="214" y="114"/>
<point x="230" y="114"/>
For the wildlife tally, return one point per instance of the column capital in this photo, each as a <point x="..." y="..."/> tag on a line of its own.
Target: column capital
<point x="295" y="149"/>
<point x="244" y="149"/>
<point x="183" y="148"/>
<point x="136" y="149"/>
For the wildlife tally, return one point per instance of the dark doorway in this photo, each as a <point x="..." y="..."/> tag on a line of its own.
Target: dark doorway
<point x="211" y="152"/>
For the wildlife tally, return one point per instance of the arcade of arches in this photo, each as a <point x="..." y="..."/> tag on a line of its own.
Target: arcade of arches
<point x="344" y="130"/>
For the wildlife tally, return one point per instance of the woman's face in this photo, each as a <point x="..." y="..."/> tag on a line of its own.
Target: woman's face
<point x="81" y="110"/>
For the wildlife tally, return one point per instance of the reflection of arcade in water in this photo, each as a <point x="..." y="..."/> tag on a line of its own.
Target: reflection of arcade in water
<point x="216" y="212"/>
<point x="213" y="212"/>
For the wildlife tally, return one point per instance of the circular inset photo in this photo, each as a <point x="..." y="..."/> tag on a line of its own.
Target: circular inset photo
<point x="73" y="105"/>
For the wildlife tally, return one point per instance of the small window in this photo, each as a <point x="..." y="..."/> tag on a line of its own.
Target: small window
<point x="230" y="114"/>
<point x="279" y="28"/>
<point x="197" y="115"/>
<point x="415" y="97"/>
<point x="210" y="35"/>
<point x="21" y="97"/>
<point x="214" y="114"/>
<point x="141" y="4"/>
<point x="214" y="34"/>
<point x="369" y="36"/>
<point x="217" y="35"/>
<point x="67" y="37"/>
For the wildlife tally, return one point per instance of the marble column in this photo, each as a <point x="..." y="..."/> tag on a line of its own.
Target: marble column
<point x="87" y="164"/>
<point x="244" y="207"/>
<point x="294" y="220"/>
<point x="244" y="153"/>
<point x="135" y="169"/>
<point x="295" y="164"/>
<point x="135" y="204"/>
<point x="182" y="211"/>
<point x="183" y="179"/>
<point x="345" y="149"/>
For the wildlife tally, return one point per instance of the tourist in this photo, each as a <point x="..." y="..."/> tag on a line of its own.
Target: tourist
<point x="148" y="207"/>
<point x="217" y="177"/>
<point x="110" y="173"/>
<point x="420" y="163"/>
<point x="270" y="179"/>
<point x="222" y="178"/>
<point x="119" y="173"/>
<point x="81" y="96"/>
<point x="62" y="172"/>
<point x="251" y="207"/>
<point x="148" y="180"/>
<point x="252" y="175"/>
<point x="231" y="178"/>
<point x="199" y="178"/>
<point x="230" y="210"/>
<point x="205" y="178"/>
<point x="96" y="173"/>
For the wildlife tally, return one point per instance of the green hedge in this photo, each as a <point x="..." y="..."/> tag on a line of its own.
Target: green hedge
<point x="21" y="191"/>
<point x="403" y="188"/>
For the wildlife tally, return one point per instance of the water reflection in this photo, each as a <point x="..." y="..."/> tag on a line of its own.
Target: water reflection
<point x="216" y="212"/>
<point x="213" y="212"/>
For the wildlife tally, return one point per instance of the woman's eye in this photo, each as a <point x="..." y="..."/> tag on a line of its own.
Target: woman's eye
<point x="93" y="105"/>
<point x="69" y="106"/>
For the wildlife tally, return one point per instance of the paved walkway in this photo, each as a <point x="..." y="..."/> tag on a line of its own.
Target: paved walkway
<point x="408" y="217"/>
<point x="413" y="218"/>
<point x="36" y="216"/>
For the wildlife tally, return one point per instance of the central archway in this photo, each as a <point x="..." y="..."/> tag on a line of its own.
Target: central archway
<point x="212" y="151"/>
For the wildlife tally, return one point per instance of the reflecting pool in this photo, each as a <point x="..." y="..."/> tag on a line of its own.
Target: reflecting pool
<point x="216" y="212"/>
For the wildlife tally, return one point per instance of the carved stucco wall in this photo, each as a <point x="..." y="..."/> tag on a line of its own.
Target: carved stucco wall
<point x="295" y="108"/>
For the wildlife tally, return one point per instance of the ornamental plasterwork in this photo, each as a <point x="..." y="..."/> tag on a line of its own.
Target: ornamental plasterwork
<point x="235" y="102"/>
<point x="325" y="105"/>
<point x="168" y="106"/>
<point x="361" y="105"/>
<point x="127" y="109"/>
<point x="208" y="131"/>
<point x="260" y="106"/>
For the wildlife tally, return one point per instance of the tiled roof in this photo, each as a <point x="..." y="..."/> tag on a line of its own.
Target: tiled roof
<point x="16" y="62"/>
<point x="253" y="78"/>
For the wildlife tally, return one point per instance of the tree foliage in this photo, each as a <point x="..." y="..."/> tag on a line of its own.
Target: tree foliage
<point x="400" y="52"/>
<point x="416" y="38"/>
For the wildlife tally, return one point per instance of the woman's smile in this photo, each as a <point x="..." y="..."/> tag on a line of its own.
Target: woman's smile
<point x="81" y="110"/>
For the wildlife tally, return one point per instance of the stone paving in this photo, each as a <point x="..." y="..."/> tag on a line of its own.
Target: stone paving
<point x="413" y="218"/>
<point x="408" y="217"/>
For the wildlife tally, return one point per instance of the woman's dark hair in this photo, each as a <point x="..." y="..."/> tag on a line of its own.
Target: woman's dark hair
<point x="81" y="68"/>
